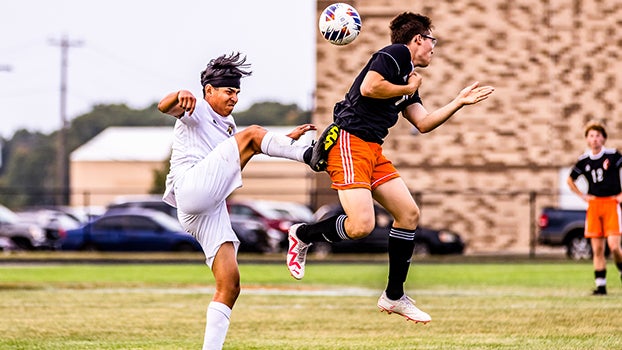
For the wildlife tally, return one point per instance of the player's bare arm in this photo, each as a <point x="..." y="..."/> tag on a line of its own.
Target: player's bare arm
<point x="374" y="85"/>
<point x="425" y="122"/>
<point x="300" y="130"/>
<point x="575" y="189"/>
<point x="177" y="103"/>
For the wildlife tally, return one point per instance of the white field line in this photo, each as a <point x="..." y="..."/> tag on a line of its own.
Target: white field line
<point x="309" y="291"/>
<point x="245" y="291"/>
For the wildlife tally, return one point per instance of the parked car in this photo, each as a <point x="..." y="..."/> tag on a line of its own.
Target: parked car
<point x="276" y="223"/>
<point x="565" y="227"/>
<point x="427" y="241"/>
<point x="54" y="222"/>
<point x="24" y="235"/>
<point x="292" y="211"/>
<point x="132" y="229"/>
<point x="254" y="236"/>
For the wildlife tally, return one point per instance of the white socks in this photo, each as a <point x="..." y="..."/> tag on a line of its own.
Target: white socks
<point x="216" y="327"/>
<point x="278" y="145"/>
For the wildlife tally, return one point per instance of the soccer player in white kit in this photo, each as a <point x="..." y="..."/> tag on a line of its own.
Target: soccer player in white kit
<point x="206" y="163"/>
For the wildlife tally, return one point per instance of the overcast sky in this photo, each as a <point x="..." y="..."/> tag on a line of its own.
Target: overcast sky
<point x="136" y="51"/>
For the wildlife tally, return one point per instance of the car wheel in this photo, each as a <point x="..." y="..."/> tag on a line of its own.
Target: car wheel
<point x="421" y="249"/>
<point x="579" y="248"/>
<point x="22" y="243"/>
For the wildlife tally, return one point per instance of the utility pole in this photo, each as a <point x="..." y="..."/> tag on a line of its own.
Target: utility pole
<point x="3" y="68"/>
<point x="62" y="176"/>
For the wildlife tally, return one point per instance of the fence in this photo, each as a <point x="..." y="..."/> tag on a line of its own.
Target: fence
<point x="490" y="222"/>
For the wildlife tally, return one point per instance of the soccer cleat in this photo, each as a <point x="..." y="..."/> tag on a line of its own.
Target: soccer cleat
<point x="327" y="140"/>
<point x="404" y="306"/>
<point x="600" y="290"/>
<point x="296" y="254"/>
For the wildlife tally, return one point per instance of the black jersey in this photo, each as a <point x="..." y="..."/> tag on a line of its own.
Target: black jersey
<point x="602" y="172"/>
<point x="371" y="118"/>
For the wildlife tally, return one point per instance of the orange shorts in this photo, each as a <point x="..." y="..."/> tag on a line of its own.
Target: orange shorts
<point x="354" y="163"/>
<point x="603" y="218"/>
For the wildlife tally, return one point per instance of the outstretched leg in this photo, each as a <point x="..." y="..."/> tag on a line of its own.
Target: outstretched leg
<point x="256" y="139"/>
<point x="357" y="222"/>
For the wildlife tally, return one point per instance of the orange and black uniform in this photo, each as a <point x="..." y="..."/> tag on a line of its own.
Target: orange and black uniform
<point x="364" y="122"/>
<point x="602" y="172"/>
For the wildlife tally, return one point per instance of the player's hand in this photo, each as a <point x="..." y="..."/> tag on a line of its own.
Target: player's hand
<point x="474" y="94"/>
<point x="301" y="130"/>
<point x="186" y="101"/>
<point x="414" y="82"/>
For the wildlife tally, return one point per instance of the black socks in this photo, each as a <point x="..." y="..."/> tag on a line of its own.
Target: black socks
<point x="329" y="230"/>
<point x="401" y="246"/>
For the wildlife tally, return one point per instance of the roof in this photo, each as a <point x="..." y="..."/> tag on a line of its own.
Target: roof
<point x="147" y="144"/>
<point x="127" y="144"/>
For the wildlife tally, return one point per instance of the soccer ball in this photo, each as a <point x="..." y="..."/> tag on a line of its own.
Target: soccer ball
<point x="340" y="24"/>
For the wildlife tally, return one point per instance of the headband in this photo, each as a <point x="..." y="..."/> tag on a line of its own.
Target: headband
<point x="225" y="81"/>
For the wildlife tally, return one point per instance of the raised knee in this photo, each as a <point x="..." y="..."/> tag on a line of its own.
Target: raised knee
<point x="255" y="131"/>
<point x="254" y="134"/>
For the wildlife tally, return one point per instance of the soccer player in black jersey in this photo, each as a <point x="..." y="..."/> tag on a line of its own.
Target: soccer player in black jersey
<point x="387" y="86"/>
<point x="601" y="168"/>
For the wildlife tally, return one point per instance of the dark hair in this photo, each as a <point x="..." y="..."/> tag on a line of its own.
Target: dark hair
<point x="406" y="25"/>
<point x="596" y="126"/>
<point x="225" y="71"/>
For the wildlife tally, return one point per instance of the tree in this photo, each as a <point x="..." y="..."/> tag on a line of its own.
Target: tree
<point x="272" y="113"/>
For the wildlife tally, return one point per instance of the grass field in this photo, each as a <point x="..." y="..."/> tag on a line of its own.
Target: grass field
<point x="523" y="305"/>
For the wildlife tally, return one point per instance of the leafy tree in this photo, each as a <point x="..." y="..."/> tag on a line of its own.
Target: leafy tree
<point x="272" y="113"/>
<point x="159" y="179"/>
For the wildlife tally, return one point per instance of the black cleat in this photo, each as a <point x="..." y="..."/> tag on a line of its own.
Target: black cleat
<point x="601" y="290"/>
<point x="319" y="155"/>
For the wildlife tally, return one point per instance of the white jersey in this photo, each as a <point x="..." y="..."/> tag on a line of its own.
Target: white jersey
<point x="195" y="136"/>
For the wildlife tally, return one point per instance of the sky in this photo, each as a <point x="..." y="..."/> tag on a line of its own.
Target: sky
<point x="136" y="51"/>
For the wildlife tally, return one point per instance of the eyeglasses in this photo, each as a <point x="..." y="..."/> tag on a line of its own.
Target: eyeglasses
<point x="434" y="40"/>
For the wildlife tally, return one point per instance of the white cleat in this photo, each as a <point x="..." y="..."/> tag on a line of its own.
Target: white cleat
<point x="296" y="253"/>
<point x="404" y="306"/>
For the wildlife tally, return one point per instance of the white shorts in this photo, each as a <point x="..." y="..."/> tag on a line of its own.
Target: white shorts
<point x="201" y="193"/>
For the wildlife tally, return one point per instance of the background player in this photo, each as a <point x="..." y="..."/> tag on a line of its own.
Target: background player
<point x="601" y="168"/>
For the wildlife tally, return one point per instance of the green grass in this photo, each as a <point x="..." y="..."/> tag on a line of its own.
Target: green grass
<point x="524" y="305"/>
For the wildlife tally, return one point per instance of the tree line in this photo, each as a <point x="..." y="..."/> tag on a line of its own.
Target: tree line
<point x="28" y="174"/>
